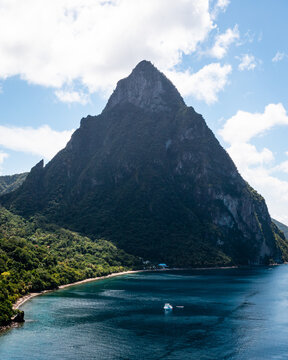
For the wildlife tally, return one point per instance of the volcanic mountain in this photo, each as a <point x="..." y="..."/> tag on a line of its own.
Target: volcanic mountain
<point x="149" y="175"/>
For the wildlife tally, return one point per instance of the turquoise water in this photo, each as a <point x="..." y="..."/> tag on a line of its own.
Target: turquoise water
<point x="227" y="314"/>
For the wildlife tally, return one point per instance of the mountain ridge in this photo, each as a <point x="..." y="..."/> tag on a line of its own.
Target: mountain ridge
<point x="149" y="175"/>
<point x="146" y="87"/>
<point x="282" y="227"/>
<point x="10" y="183"/>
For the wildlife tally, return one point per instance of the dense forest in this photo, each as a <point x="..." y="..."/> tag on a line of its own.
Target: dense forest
<point x="149" y="175"/>
<point x="35" y="256"/>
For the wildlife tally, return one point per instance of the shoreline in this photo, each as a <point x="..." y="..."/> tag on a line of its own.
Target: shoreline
<point x="21" y="301"/>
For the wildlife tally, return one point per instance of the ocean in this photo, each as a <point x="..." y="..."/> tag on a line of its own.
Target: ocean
<point x="224" y="314"/>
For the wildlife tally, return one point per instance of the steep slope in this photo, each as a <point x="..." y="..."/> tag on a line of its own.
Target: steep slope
<point x="282" y="227"/>
<point x="150" y="175"/>
<point x="10" y="183"/>
<point x="35" y="256"/>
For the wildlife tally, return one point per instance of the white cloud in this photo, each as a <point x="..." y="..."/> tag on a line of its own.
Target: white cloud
<point x="204" y="84"/>
<point x="220" y="6"/>
<point x="257" y="167"/>
<point x="243" y="126"/>
<point x="248" y="62"/>
<point x="72" y="97"/>
<point x="279" y="56"/>
<point x="223" y="41"/>
<point x="42" y="141"/>
<point x="245" y="154"/>
<point x="274" y="190"/>
<point x="282" y="167"/>
<point x="3" y="156"/>
<point x="96" y="42"/>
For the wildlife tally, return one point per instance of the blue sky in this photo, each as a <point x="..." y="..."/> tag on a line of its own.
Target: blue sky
<point x="61" y="59"/>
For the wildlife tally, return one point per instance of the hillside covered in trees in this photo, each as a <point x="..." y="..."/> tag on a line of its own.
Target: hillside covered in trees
<point x="149" y="175"/>
<point x="35" y="256"/>
<point x="146" y="174"/>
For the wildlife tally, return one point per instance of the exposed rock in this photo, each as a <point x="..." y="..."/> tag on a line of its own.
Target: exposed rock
<point x="150" y="175"/>
<point x="18" y="317"/>
<point x="146" y="88"/>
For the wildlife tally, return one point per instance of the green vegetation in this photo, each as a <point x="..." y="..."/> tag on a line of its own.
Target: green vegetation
<point x="35" y="256"/>
<point x="177" y="203"/>
<point x="282" y="227"/>
<point x="10" y="183"/>
<point x="154" y="181"/>
<point x="255" y="195"/>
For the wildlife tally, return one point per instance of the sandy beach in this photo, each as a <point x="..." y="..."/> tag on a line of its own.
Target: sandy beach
<point x="21" y="301"/>
<point x="27" y="297"/>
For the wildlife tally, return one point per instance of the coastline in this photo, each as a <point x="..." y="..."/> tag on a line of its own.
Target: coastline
<point x="21" y="301"/>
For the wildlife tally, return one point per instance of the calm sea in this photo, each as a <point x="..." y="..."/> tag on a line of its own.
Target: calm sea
<point x="227" y="314"/>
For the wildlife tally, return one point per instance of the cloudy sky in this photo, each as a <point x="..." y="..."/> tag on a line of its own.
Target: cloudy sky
<point x="60" y="60"/>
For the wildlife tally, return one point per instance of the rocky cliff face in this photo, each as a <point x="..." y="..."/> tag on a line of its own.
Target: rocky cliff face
<point x="150" y="175"/>
<point x="147" y="89"/>
<point x="10" y="183"/>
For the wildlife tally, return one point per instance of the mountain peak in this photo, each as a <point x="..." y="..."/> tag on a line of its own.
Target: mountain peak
<point x="146" y="87"/>
<point x="149" y="175"/>
<point x="144" y="65"/>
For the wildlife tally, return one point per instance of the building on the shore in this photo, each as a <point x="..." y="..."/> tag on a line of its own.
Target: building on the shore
<point x="163" y="266"/>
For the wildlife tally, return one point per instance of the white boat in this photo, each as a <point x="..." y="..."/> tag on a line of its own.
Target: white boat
<point x="168" y="307"/>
